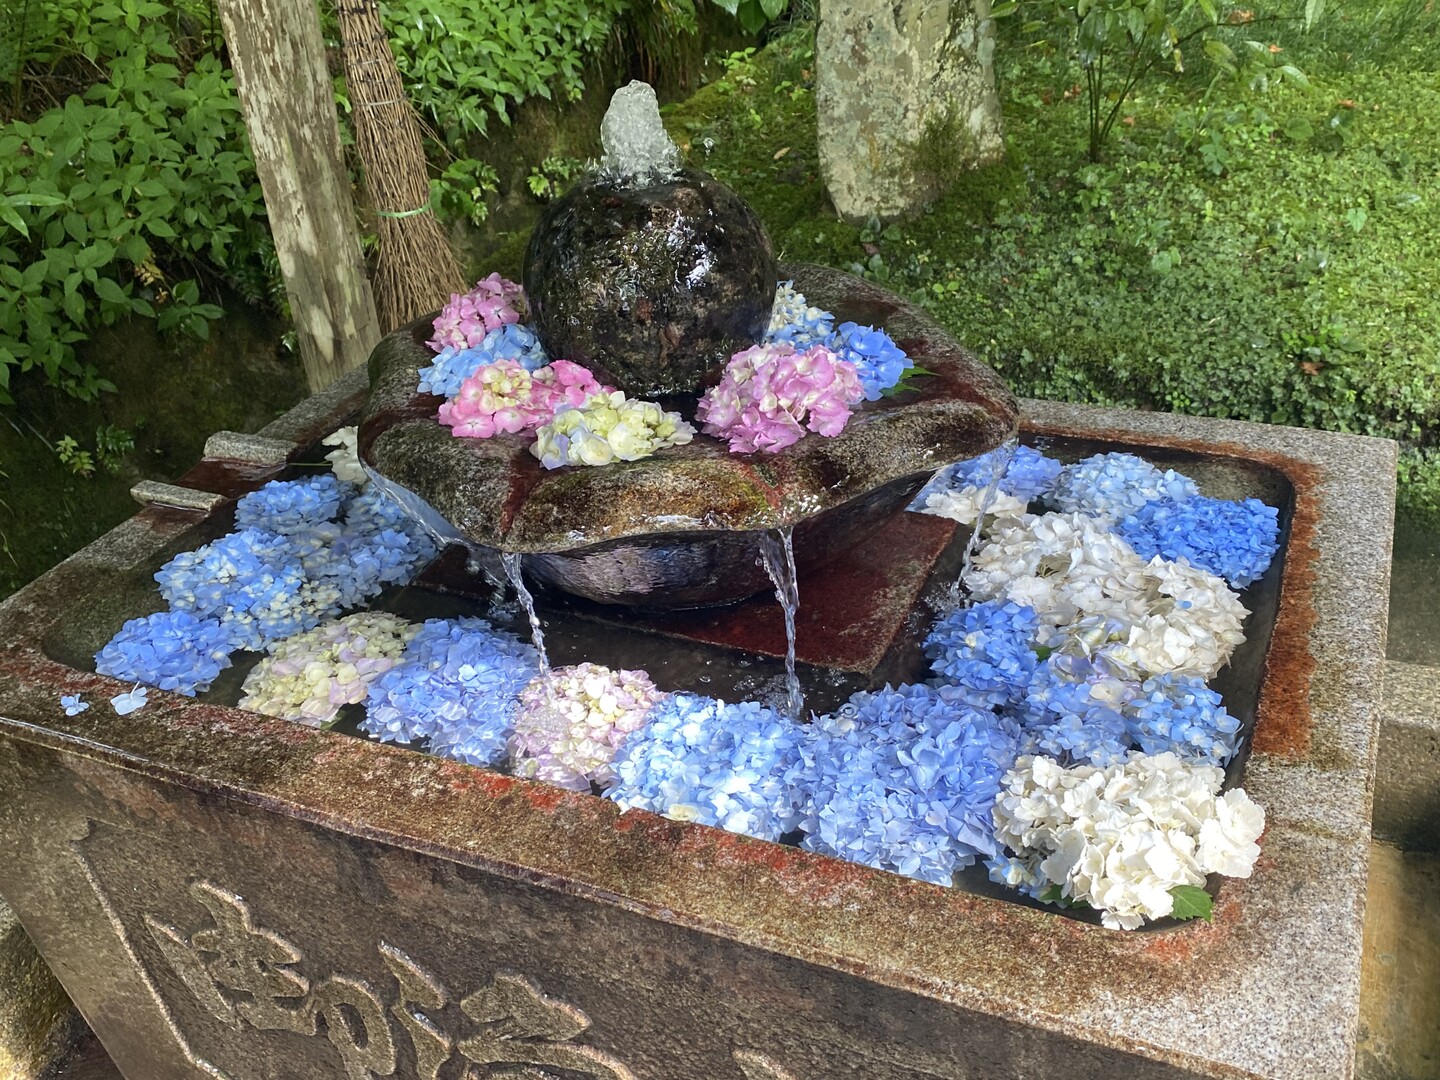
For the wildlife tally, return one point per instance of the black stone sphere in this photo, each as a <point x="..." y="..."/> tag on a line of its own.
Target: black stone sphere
<point x="654" y="288"/>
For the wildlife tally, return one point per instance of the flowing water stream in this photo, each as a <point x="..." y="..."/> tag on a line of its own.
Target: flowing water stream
<point x="777" y="553"/>
<point x="1003" y="455"/>
<point x="511" y="562"/>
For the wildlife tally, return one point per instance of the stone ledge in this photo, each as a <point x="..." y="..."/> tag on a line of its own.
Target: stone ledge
<point x="155" y="493"/>
<point x="255" y="449"/>
<point x="1407" y="772"/>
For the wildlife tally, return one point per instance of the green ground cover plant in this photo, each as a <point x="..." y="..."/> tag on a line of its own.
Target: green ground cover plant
<point x="1263" y="249"/>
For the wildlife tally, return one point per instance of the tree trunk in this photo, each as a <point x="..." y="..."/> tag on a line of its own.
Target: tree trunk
<point x="415" y="270"/>
<point x="905" y="92"/>
<point x="278" y="55"/>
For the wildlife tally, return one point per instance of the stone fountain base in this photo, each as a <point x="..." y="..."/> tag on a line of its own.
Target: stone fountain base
<point x="229" y="896"/>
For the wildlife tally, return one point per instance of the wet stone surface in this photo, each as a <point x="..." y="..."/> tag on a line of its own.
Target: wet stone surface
<point x="679" y="528"/>
<point x="653" y="288"/>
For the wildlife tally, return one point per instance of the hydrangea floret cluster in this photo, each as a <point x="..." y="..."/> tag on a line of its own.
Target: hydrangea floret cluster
<point x="1075" y="704"/>
<point x="293" y="506"/>
<point x="457" y="686"/>
<point x="309" y="677"/>
<point x="171" y="650"/>
<point x="1115" y="485"/>
<point x="467" y="319"/>
<point x="345" y="458"/>
<point x="793" y="320"/>
<point x="1234" y="540"/>
<point x="878" y="361"/>
<point x="453" y="366"/>
<point x="903" y="779"/>
<point x="1121" y="838"/>
<point x="699" y="759"/>
<point x="1161" y="617"/>
<point x="608" y="427"/>
<point x="262" y="585"/>
<point x="959" y="492"/>
<point x="770" y="394"/>
<point x="503" y="398"/>
<point x="573" y="720"/>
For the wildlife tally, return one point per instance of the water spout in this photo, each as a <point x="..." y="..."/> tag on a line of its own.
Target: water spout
<point x="1002" y="458"/>
<point x="638" y="152"/>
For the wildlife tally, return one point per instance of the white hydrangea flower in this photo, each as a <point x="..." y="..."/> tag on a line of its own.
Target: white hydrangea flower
<point x="345" y="458"/>
<point x="1111" y="486"/>
<point x="1120" y="838"/>
<point x="963" y="506"/>
<point x="1160" y="617"/>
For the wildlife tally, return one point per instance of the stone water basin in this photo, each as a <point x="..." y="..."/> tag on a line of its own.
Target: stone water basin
<point x="224" y="894"/>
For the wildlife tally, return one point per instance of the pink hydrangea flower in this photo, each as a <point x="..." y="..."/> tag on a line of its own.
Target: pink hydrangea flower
<point x="503" y="398"/>
<point x="563" y="383"/>
<point x="465" y="320"/>
<point x="771" y="393"/>
<point x="572" y="721"/>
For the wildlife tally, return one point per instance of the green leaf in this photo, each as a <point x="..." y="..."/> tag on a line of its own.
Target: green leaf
<point x="14" y="220"/>
<point x="1313" y="10"/>
<point x="107" y="289"/>
<point x="1191" y="902"/>
<point x="1000" y="11"/>
<point x="1298" y="129"/>
<point x="1055" y="895"/>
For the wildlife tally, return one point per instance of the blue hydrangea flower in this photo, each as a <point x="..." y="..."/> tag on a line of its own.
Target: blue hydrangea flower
<point x="290" y="506"/>
<point x="457" y="686"/>
<point x="449" y="369"/>
<point x="879" y="362"/>
<point x="795" y="321"/>
<point x="73" y="704"/>
<point x="452" y="366"/>
<point x="171" y="650"/>
<point x="1030" y="474"/>
<point x="905" y="784"/>
<point x="263" y="586"/>
<point x="1182" y="715"/>
<point x="1075" y="720"/>
<point x="1236" y="540"/>
<point x="986" y="651"/>
<point x="699" y="759"/>
<point x="1115" y="485"/>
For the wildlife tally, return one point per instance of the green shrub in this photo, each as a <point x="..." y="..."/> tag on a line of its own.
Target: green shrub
<point x="112" y="202"/>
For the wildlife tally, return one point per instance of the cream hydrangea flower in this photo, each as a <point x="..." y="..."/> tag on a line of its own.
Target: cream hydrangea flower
<point x="1120" y="838"/>
<point x="345" y="458"/>
<point x="308" y="677"/>
<point x="608" y="427"/>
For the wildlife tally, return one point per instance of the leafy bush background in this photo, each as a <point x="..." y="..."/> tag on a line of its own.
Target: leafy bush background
<point x="1263" y="251"/>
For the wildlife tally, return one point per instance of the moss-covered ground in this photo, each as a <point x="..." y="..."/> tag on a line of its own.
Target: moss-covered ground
<point x="1265" y="253"/>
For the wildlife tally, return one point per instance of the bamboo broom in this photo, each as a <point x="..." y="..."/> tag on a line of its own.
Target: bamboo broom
<point x="415" y="270"/>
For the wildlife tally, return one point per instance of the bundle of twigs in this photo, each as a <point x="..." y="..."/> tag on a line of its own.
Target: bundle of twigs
<point x="415" y="269"/>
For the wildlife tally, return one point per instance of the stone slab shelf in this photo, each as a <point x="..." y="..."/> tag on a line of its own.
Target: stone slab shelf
<point x="226" y="895"/>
